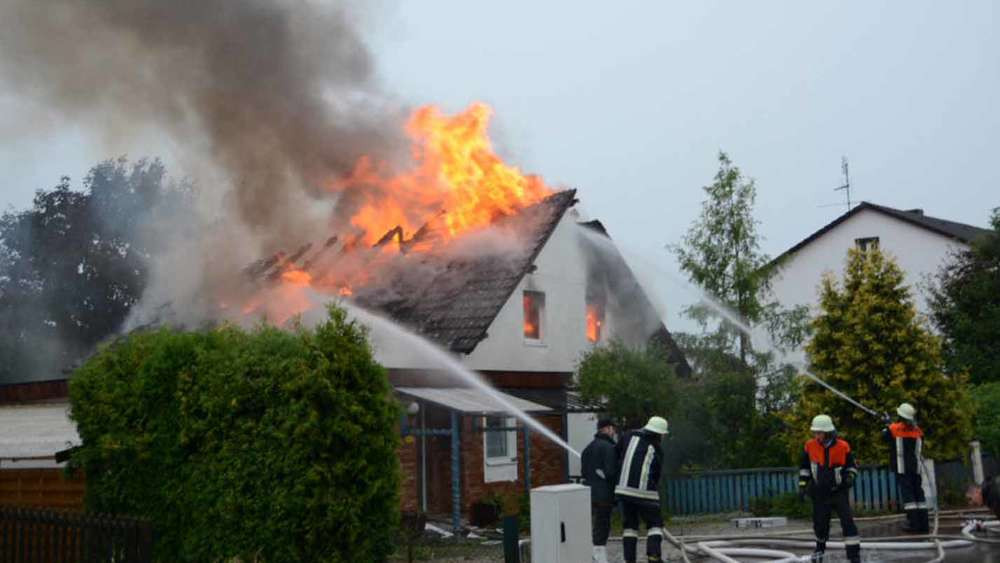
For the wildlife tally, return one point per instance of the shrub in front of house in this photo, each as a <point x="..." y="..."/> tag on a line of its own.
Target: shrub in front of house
<point x="266" y="445"/>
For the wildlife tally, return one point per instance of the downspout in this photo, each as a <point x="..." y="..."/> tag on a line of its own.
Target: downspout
<point x="423" y="459"/>
<point x="456" y="491"/>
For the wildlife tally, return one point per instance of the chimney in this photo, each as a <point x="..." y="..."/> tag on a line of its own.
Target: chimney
<point x="916" y="211"/>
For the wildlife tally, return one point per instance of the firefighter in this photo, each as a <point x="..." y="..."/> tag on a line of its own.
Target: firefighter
<point x="640" y="463"/>
<point x="826" y="472"/>
<point x="599" y="462"/>
<point x="905" y="440"/>
<point x="986" y="494"/>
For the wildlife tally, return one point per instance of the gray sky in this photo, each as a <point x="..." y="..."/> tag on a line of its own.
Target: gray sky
<point x="631" y="105"/>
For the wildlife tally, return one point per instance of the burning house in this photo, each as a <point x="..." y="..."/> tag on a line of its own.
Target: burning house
<point x="518" y="302"/>
<point x="494" y="267"/>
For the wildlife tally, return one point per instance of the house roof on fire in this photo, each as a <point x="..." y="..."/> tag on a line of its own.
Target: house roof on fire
<point x="459" y="304"/>
<point x="455" y="297"/>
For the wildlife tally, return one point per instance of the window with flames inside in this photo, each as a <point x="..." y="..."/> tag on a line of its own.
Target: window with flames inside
<point x="595" y="322"/>
<point x="534" y="307"/>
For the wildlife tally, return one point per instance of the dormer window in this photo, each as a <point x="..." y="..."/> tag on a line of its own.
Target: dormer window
<point x="534" y="306"/>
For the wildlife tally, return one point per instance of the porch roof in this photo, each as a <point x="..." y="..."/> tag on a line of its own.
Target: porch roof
<point x="36" y="431"/>
<point x="469" y="401"/>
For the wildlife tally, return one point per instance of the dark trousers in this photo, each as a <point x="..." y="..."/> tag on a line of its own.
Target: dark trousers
<point x="600" y="517"/>
<point x="914" y="503"/>
<point x="823" y="509"/>
<point x="649" y="512"/>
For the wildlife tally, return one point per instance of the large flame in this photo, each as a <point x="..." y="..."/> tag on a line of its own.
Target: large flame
<point x="456" y="174"/>
<point x="456" y="184"/>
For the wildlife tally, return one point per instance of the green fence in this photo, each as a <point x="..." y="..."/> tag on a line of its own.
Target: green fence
<point x="710" y="492"/>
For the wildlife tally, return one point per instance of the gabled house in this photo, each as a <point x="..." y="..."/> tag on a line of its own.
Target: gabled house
<point x="919" y="243"/>
<point x="519" y="305"/>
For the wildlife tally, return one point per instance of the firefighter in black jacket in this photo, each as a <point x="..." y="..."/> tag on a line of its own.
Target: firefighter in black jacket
<point x="826" y="472"/>
<point x="599" y="462"/>
<point x="641" y="462"/>
<point x="906" y="440"/>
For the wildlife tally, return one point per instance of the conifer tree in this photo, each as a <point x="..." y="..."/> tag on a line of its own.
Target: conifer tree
<point x="869" y="343"/>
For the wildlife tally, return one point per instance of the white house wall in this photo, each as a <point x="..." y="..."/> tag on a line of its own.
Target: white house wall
<point x="918" y="252"/>
<point x="560" y="274"/>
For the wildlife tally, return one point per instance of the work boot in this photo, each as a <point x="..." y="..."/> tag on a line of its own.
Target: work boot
<point x="600" y="554"/>
<point x="910" y="526"/>
<point x="820" y="553"/>
<point x="922" y="521"/>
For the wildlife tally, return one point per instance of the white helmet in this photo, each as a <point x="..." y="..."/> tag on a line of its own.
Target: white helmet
<point x="822" y="423"/>
<point x="907" y="411"/>
<point x="656" y="424"/>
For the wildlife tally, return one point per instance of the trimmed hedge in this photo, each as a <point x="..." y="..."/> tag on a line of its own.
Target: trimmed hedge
<point x="265" y="445"/>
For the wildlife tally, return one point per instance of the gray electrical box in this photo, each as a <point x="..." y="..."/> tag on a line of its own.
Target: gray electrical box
<point x="560" y="524"/>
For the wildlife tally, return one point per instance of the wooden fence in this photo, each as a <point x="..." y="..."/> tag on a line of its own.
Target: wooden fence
<point x="32" y="535"/>
<point x="732" y="491"/>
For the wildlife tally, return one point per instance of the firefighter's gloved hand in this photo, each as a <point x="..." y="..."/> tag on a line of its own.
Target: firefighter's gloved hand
<point x="849" y="481"/>
<point x="802" y="490"/>
<point x="886" y="418"/>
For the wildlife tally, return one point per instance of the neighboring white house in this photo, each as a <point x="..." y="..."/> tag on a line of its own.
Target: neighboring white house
<point x="920" y="244"/>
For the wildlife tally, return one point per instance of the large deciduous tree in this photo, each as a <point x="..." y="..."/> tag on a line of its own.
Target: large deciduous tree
<point x="72" y="266"/>
<point x="965" y="307"/>
<point x="869" y="343"/>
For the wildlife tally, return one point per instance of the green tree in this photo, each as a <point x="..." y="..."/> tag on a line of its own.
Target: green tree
<point x="634" y="383"/>
<point x="869" y="343"/>
<point x="965" y="306"/>
<point x="738" y="390"/>
<point x="987" y="425"/>
<point x="262" y="445"/>
<point x="73" y="265"/>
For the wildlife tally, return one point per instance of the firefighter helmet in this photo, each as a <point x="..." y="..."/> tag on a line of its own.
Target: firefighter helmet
<point x="656" y="424"/>
<point x="822" y="423"/>
<point x="907" y="411"/>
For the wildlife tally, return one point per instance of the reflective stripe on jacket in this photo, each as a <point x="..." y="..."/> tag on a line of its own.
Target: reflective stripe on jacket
<point x="906" y="442"/>
<point x="640" y="466"/>
<point x="825" y="466"/>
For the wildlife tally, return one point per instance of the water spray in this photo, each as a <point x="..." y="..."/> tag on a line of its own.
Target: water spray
<point x="453" y="366"/>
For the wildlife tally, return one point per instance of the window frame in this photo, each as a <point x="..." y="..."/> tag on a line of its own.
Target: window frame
<point x="538" y="299"/>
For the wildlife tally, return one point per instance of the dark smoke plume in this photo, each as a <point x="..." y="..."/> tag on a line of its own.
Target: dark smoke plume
<point x="277" y="96"/>
<point x="277" y="89"/>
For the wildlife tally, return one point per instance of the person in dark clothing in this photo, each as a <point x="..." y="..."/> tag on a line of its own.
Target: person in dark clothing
<point x="826" y="472"/>
<point x="641" y="462"/>
<point x="906" y="441"/>
<point x="986" y="494"/>
<point x="599" y="462"/>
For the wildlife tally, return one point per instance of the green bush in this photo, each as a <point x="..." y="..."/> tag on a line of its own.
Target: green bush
<point x="265" y="445"/>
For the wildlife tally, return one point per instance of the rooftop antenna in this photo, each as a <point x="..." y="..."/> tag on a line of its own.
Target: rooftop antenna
<point x="847" y="181"/>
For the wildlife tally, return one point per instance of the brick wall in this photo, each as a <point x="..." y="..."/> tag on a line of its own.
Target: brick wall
<point x="41" y="487"/>
<point x="548" y="462"/>
<point x="35" y="391"/>
<point x="409" y="463"/>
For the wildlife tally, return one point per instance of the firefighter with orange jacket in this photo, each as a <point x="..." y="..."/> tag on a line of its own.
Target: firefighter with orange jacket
<point x="826" y="473"/>
<point x="906" y="441"/>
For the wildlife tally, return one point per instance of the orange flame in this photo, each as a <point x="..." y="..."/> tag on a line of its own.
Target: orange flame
<point x="456" y="184"/>
<point x="457" y="172"/>
<point x="595" y="320"/>
<point x="296" y="277"/>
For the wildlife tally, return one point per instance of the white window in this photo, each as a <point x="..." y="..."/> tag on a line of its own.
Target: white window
<point x="499" y="449"/>
<point x="534" y="315"/>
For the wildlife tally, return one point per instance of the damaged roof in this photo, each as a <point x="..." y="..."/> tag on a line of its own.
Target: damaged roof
<point x="459" y="303"/>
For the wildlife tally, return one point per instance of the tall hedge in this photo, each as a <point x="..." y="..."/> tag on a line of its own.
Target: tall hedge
<point x="266" y="445"/>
